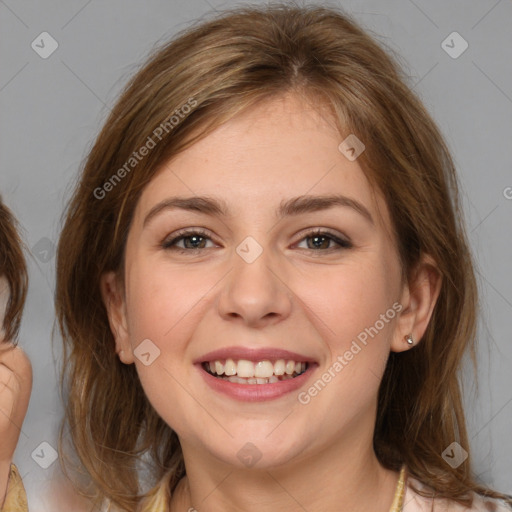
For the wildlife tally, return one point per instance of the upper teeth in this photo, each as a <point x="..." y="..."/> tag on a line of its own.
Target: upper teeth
<point x="263" y="369"/>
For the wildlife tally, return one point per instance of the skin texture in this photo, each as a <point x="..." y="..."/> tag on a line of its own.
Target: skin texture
<point x="294" y="296"/>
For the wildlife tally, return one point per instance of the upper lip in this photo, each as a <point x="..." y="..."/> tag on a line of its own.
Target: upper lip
<point x="254" y="355"/>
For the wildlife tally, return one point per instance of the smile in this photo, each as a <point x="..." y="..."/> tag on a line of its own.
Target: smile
<point x="243" y="371"/>
<point x="255" y="375"/>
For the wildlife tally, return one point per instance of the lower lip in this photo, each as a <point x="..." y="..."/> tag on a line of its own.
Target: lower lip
<point x="256" y="392"/>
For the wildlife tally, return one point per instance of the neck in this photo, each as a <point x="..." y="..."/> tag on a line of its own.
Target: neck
<point x="342" y="477"/>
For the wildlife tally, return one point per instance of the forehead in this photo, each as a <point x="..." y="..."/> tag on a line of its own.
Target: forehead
<point x="278" y="149"/>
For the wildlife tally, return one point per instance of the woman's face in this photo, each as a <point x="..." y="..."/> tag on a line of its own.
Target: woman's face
<point x="258" y="291"/>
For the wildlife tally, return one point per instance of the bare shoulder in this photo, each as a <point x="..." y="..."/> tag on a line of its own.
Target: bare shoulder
<point x="414" y="502"/>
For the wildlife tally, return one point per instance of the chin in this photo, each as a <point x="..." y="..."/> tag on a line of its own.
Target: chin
<point x="258" y="450"/>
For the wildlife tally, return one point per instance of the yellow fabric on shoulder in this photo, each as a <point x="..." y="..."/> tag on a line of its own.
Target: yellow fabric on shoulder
<point x="158" y="499"/>
<point x="16" y="497"/>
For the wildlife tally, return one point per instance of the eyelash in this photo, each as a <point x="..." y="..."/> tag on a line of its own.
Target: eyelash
<point x="182" y="235"/>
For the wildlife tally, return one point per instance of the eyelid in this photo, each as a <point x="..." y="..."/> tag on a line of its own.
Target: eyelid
<point x="323" y="231"/>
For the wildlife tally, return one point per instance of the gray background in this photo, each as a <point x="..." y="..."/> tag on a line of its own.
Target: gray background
<point x="51" y="110"/>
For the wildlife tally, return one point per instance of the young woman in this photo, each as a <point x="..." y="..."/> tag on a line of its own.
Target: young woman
<point x="15" y="367"/>
<point x="264" y="286"/>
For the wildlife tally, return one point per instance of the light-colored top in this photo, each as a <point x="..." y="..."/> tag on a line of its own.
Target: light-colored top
<point x="414" y="502"/>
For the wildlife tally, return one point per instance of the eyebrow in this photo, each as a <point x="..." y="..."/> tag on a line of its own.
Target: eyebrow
<point x="295" y="206"/>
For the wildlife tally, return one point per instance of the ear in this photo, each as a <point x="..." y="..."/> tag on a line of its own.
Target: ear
<point x="419" y="296"/>
<point x="115" y="304"/>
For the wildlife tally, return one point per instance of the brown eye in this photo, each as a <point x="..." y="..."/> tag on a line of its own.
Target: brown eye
<point x="192" y="240"/>
<point x="321" y="241"/>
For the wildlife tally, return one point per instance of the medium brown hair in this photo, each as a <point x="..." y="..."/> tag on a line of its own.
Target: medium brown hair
<point x="13" y="268"/>
<point x="224" y="66"/>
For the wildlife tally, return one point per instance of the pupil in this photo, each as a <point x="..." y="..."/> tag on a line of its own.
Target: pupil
<point x="194" y="240"/>
<point x="316" y="239"/>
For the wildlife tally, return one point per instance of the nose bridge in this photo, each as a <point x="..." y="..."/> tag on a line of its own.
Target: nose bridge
<point x="254" y="293"/>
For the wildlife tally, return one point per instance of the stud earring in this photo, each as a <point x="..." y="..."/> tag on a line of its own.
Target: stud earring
<point x="409" y="339"/>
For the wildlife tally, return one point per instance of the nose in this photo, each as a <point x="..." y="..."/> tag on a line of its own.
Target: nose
<point x="255" y="294"/>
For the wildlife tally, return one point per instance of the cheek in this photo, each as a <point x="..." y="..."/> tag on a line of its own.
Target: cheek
<point x="355" y="315"/>
<point x="349" y="301"/>
<point x="165" y="306"/>
<point x="162" y="308"/>
<point x="161" y="298"/>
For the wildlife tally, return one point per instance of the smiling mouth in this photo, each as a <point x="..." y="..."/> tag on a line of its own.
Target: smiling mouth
<point x="242" y="371"/>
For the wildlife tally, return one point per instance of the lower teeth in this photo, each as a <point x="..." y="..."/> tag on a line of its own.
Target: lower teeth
<point x="256" y="380"/>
